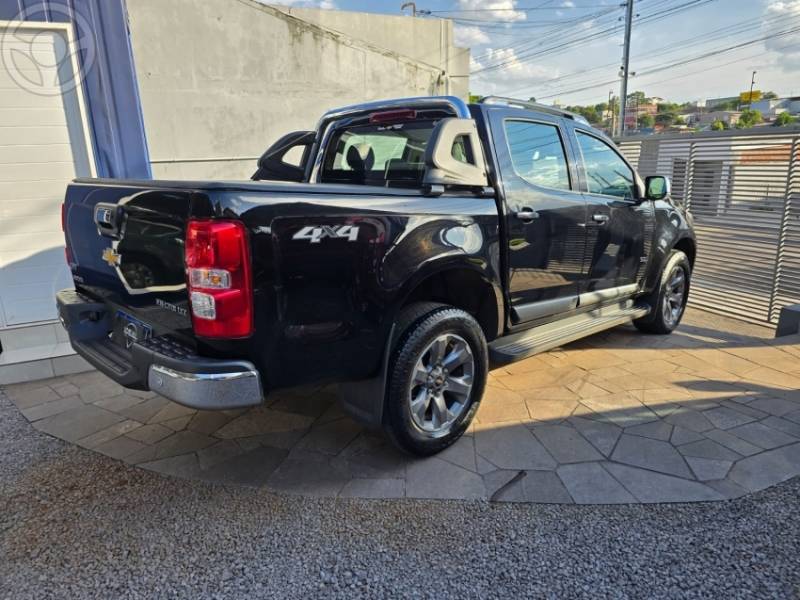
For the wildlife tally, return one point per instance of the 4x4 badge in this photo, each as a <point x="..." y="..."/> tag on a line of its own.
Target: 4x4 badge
<point x="316" y="234"/>
<point x="111" y="257"/>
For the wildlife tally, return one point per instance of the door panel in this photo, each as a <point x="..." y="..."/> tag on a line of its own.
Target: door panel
<point x="544" y="216"/>
<point x="618" y="226"/>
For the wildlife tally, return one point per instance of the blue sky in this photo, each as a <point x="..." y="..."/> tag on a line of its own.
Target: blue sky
<point x="514" y="48"/>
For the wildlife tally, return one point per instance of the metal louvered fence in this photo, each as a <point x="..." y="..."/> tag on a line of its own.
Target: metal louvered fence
<point x="743" y="189"/>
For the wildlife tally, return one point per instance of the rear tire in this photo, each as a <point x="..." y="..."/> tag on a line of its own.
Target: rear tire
<point x="669" y="298"/>
<point x="437" y="375"/>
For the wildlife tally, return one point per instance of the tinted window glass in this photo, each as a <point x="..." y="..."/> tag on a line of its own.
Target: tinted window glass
<point x="537" y="153"/>
<point x="606" y="172"/>
<point x="374" y="154"/>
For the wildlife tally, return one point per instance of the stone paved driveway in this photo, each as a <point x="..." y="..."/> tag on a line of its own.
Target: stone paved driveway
<point x="711" y="412"/>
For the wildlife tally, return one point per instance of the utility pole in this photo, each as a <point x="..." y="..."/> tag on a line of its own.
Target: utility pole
<point x="611" y="110"/>
<point x="626" y="61"/>
<point x="752" y="84"/>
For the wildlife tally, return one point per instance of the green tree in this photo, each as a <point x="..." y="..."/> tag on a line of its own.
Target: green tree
<point x="473" y="98"/>
<point x="587" y="112"/>
<point x="665" y="119"/>
<point x="646" y="121"/>
<point x="784" y="119"/>
<point x="637" y="97"/>
<point x="729" y="105"/>
<point x="718" y="125"/>
<point x="769" y="96"/>
<point x="664" y="107"/>
<point x="749" y="118"/>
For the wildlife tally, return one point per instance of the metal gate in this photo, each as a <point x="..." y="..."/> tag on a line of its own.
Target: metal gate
<point x="743" y="189"/>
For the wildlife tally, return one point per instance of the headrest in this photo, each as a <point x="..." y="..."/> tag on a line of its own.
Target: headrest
<point x="360" y="157"/>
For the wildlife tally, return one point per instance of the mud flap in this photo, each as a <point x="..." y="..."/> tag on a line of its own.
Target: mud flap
<point x="364" y="400"/>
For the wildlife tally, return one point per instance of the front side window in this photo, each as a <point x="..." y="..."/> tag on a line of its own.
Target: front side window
<point x="537" y="154"/>
<point x="606" y="172"/>
<point x="376" y="154"/>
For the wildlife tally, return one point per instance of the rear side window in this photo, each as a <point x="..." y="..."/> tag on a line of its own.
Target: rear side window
<point x="606" y="172"/>
<point x="391" y="154"/>
<point x="537" y="153"/>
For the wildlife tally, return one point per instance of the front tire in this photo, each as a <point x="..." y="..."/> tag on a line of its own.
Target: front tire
<point x="669" y="298"/>
<point x="438" y="373"/>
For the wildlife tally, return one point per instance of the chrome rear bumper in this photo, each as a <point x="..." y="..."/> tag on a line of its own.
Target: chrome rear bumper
<point x="206" y="391"/>
<point x="159" y="364"/>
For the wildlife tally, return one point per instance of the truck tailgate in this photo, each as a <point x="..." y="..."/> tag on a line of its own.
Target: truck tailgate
<point x="125" y="246"/>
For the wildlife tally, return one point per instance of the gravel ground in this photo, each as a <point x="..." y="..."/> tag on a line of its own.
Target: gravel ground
<point x="74" y="524"/>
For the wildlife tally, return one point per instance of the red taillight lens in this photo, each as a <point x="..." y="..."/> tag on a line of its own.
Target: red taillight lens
<point x="218" y="279"/>
<point x="388" y="116"/>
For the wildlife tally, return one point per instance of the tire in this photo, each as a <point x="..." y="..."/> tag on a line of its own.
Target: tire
<point x="428" y="405"/>
<point x="669" y="298"/>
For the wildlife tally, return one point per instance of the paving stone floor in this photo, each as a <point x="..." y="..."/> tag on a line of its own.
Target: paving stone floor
<point x="711" y="412"/>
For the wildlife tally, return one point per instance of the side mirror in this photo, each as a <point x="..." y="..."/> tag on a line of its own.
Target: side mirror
<point x="273" y="164"/>
<point x="657" y="187"/>
<point x="454" y="155"/>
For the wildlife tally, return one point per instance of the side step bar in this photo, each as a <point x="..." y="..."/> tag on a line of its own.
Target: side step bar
<point x="526" y="343"/>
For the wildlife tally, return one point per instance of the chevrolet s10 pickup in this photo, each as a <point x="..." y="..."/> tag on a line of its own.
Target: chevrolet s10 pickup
<point x="401" y="249"/>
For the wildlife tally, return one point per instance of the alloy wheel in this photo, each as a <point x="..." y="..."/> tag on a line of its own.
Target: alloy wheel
<point x="441" y="384"/>
<point x="674" y="295"/>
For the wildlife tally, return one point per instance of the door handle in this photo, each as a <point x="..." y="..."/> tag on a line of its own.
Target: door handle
<point x="600" y="218"/>
<point x="526" y="215"/>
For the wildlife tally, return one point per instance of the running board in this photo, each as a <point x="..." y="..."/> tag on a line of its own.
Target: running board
<point x="526" y="343"/>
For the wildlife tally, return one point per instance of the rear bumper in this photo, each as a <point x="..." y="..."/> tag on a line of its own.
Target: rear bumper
<point x="158" y="364"/>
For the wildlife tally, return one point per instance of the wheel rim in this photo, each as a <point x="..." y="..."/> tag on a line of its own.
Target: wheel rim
<point x="674" y="296"/>
<point x="441" y="384"/>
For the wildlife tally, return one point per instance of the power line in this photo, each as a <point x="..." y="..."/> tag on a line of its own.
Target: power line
<point x="672" y="47"/>
<point x="552" y="33"/>
<point x="527" y="55"/>
<point x="704" y="71"/>
<point x="686" y="61"/>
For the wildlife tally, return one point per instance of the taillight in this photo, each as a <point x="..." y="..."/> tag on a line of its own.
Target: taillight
<point x="218" y="279"/>
<point x="389" y="116"/>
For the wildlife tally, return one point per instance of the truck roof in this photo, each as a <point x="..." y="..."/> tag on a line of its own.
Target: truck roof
<point x="534" y="106"/>
<point x="456" y="105"/>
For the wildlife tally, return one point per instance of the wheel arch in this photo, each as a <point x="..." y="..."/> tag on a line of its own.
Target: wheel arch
<point x="462" y="287"/>
<point x="689" y="247"/>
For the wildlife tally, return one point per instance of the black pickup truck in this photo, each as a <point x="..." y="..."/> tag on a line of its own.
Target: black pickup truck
<point x="400" y="250"/>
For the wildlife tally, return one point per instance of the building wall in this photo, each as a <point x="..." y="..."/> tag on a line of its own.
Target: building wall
<point x="220" y="80"/>
<point x="429" y="41"/>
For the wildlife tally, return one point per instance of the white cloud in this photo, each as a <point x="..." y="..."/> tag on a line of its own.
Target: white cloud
<point x="492" y="10"/>
<point x="467" y="36"/>
<point x="786" y="11"/>
<point x="515" y="75"/>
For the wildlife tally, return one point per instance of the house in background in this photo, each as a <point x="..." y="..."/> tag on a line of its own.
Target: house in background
<point x="729" y="117"/>
<point x="180" y="89"/>
<point x="771" y="108"/>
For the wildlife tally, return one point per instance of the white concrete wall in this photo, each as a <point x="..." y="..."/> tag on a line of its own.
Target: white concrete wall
<point x="225" y="78"/>
<point x="426" y="40"/>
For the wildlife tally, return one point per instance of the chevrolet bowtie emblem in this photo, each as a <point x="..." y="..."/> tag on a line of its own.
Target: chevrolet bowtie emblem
<point x="111" y="257"/>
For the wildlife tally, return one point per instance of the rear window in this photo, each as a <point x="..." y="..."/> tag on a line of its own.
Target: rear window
<point x="378" y="154"/>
